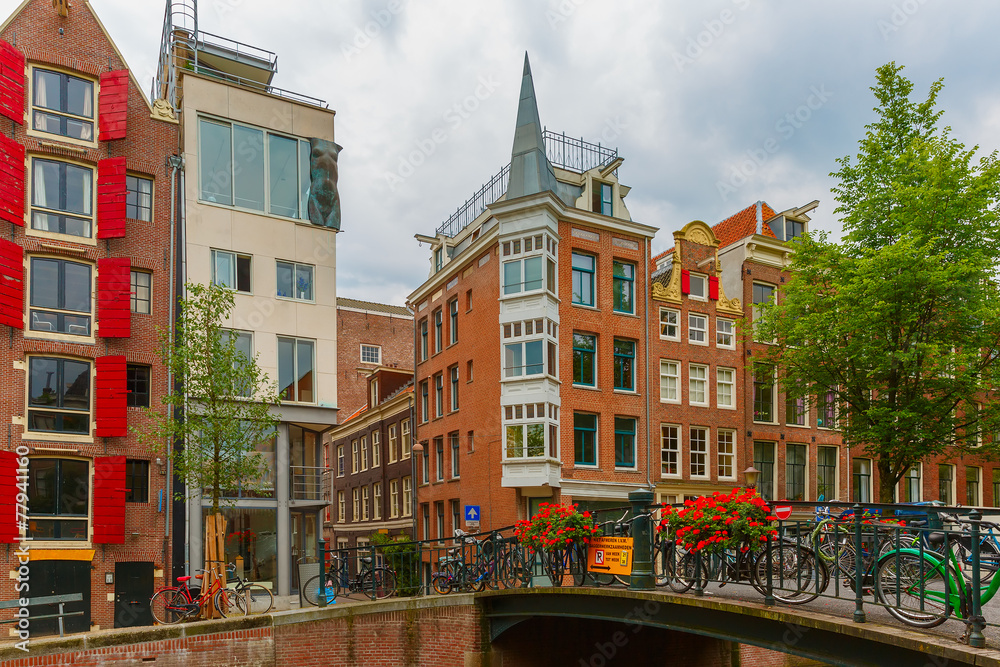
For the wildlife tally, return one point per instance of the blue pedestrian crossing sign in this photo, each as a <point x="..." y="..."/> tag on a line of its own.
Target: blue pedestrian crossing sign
<point x="472" y="515"/>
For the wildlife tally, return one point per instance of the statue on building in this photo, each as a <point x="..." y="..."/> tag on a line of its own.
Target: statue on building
<point x="324" y="199"/>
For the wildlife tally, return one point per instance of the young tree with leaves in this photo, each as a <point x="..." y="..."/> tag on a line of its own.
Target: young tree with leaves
<point x="901" y="319"/>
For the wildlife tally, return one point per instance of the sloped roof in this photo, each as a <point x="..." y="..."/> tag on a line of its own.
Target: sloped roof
<point x="743" y="224"/>
<point x="373" y="307"/>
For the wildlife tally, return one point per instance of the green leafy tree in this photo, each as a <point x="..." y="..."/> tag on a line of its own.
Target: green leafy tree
<point x="225" y="399"/>
<point x="900" y="321"/>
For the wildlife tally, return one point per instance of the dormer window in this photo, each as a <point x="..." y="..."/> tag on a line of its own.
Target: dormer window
<point x="438" y="259"/>
<point x="793" y="229"/>
<point x="602" y="198"/>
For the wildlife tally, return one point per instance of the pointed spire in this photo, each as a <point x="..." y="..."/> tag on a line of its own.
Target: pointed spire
<point x="530" y="170"/>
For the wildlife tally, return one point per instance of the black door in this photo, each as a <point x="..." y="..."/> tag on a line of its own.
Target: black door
<point x="133" y="588"/>
<point x="59" y="577"/>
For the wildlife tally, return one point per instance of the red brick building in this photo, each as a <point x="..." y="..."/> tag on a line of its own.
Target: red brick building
<point x="86" y="269"/>
<point x="544" y="288"/>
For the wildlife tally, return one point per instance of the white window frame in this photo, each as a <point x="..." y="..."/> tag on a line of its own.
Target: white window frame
<point x="666" y="378"/>
<point x="365" y="347"/>
<point x="364" y="503"/>
<point x="704" y="384"/>
<point x="675" y="451"/>
<point x="355" y="457"/>
<point x="341" y="507"/>
<point x="364" y="453"/>
<point x="720" y="433"/>
<point x="703" y="280"/>
<point x="236" y="256"/>
<point x="392" y="444"/>
<point x="719" y="333"/>
<point x="341" y="461"/>
<point x="393" y="499"/>
<point x="698" y="335"/>
<point x="31" y="108"/>
<point x="676" y="324"/>
<point x="407" y="490"/>
<point x="720" y="384"/>
<point x="376" y="450"/>
<point x="377" y="501"/>
<point x="296" y="267"/>
<point x="705" y="452"/>
<point x="356" y="502"/>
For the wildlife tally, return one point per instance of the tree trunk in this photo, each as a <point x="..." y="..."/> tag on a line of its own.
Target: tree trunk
<point x="886" y="483"/>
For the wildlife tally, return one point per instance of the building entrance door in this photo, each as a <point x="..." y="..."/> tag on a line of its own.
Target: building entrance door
<point x="304" y="540"/>
<point x="133" y="589"/>
<point x="60" y="577"/>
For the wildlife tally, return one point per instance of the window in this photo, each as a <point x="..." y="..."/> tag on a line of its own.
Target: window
<point x="247" y="167"/>
<point x="795" y="410"/>
<point x="456" y="515"/>
<point x="670" y="380"/>
<point x="670" y="324"/>
<point x="584" y="439"/>
<point x="727" y="453"/>
<point x="426" y="511"/>
<point x="60" y="298"/>
<point x="793" y="229"/>
<point x="371" y="354"/>
<point x="62" y="104"/>
<point x="376" y="449"/>
<point x="355" y="457"/>
<point x="405" y="439"/>
<point x="438" y="330"/>
<point x="438" y="395"/>
<point x="138" y="198"/>
<point x="453" y="321"/>
<point x="624" y="365"/>
<point x="62" y="197"/>
<point x="440" y="519"/>
<point x="584" y="351"/>
<point x="523" y="359"/>
<point x="762" y="294"/>
<point x="826" y="406"/>
<point x="946" y="484"/>
<point x="231" y="270"/>
<point x="438" y="259"/>
<point x="58" y="499"/>
<point x="697" y="329"/>
<point x="525" y="440"/>
<point x="340" y="460"/>
<point x="670" y="450"/>
<point x="624" y="442"/>
<point x="424" y="400"/>
<point x="141" y="292"/>
<point x="468" y="299"/>
<point x="725" y="387"/>
<point x="826" y="473"/>
<point x="455" y="458"/>
<point x="439" y="459"/>
<point x="763" y="393"/>
<point x="862" y="480"/>
<point x="583" y="279"/>
<point x="453" y="373"/>
<point x="699" y="286"/>
<point x="242" y="344"/>
<point x="522" y="275"/>
<point x="795" y="472"/>
<point x="341" y="507"/>
<point x="377" y="501"/>
<point x="699" y="451"/>
<point x="624" y="287"/>
<point x="996" y="487"/>
<point x="136" y="481"/>
<point x="725" y="333"/>
<point x="468" y="371"/>
<point x="296" y="362"/>
<point x="137" y="383"/>
<point x="356" y="516"/>
<point x="763" y="460"/>
<point x="407" y="496"/>
<point x="423" y="339"/>
<point x="364" y="503"/>
<point x="58" y="396"/>
<point x="295" y="281"/>
<point x="392" y="444"/>
<point x="602" y="198"/>
<point x="912" y="486"/>
<point x="393" y="499"/>
<point x="697" y="384"/>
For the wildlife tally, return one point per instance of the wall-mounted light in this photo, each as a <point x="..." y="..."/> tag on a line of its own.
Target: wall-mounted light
<point x="109" y="578"/>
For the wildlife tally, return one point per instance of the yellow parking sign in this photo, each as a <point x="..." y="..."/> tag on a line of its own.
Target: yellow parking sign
<point x="610" y="555"/>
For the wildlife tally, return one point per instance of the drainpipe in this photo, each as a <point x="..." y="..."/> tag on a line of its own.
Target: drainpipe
<point x="645" y="308"/>
<point x="413" y="432"/>
<point x="174" y="162"/>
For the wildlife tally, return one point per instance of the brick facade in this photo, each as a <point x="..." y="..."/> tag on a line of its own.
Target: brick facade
<point x="389" y="328"/>
<point x="79" y="46"/>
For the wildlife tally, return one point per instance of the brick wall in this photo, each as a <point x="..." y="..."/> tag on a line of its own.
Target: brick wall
<point x="393" y="333"/>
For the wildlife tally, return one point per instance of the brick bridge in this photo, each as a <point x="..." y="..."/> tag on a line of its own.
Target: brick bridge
<point x="540" y="626"/>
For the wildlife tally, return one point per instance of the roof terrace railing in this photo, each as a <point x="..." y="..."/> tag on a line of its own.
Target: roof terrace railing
<point x="562" y="151"/>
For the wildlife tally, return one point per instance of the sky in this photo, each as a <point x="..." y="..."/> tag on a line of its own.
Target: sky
<point x="713" y="105"/>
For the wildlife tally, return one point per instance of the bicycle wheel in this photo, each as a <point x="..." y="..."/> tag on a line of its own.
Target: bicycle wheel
<point x="514" y="572"/>
<point x="686" y="573"/>
<point x="915" y="590"/>
<point x="310" y="592"/>
<point x="227" y="603"/>
<point x="441" y="583"/>
<point x="989" y="557"/>
<point x="168" y="606"/>
<point x="378" y="583"/>
<point x="255" y="599"/>
<point x="797" y="576"/>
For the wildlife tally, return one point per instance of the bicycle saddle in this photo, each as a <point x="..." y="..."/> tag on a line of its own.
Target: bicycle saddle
<point x="935" y="538"/>
<point x="183" y="579"/>
<point x="366" y="559"/>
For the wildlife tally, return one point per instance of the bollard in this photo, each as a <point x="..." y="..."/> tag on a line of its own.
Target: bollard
<point x="977" y="622"/>
<point x="859" y="602"/>
<point x="642" y="541"/>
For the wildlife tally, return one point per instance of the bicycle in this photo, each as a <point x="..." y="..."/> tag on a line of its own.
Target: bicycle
<point x="375" y="582"/>
<point x="173" y="604"/>
<point x="250" y="598"/>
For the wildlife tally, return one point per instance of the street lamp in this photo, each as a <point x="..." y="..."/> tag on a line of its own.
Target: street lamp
<point x="415" y="451"/>
<point x="751" y="475"/>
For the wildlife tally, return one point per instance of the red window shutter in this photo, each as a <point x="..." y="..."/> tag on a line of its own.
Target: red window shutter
<point x="109" y="500"/>
<point x="110" y="401"/>
<point x="685" y="281"/>
<point x="713" y="288"/>
<point x="11" y="83"/>
<point x="114" y="304"/>
<point x="11" y="181"/>
<point x="113" y="105"/>
<point x="11" y="284"/>
<point x="110" y="198"/>
<point x="8" y="498"/>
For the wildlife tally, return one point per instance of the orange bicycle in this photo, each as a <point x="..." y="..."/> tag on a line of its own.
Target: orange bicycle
<point x="173" y="604"/>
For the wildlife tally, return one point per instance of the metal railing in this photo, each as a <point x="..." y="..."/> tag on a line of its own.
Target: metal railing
<point x="477" y="203"/>
<point x="307" y="482"/>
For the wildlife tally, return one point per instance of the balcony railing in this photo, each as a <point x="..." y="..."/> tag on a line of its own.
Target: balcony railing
<point x="307" y="482"/>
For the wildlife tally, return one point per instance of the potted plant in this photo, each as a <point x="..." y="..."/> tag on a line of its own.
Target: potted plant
<point x="713" y="524"/>
<point x="558" y="534"/>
